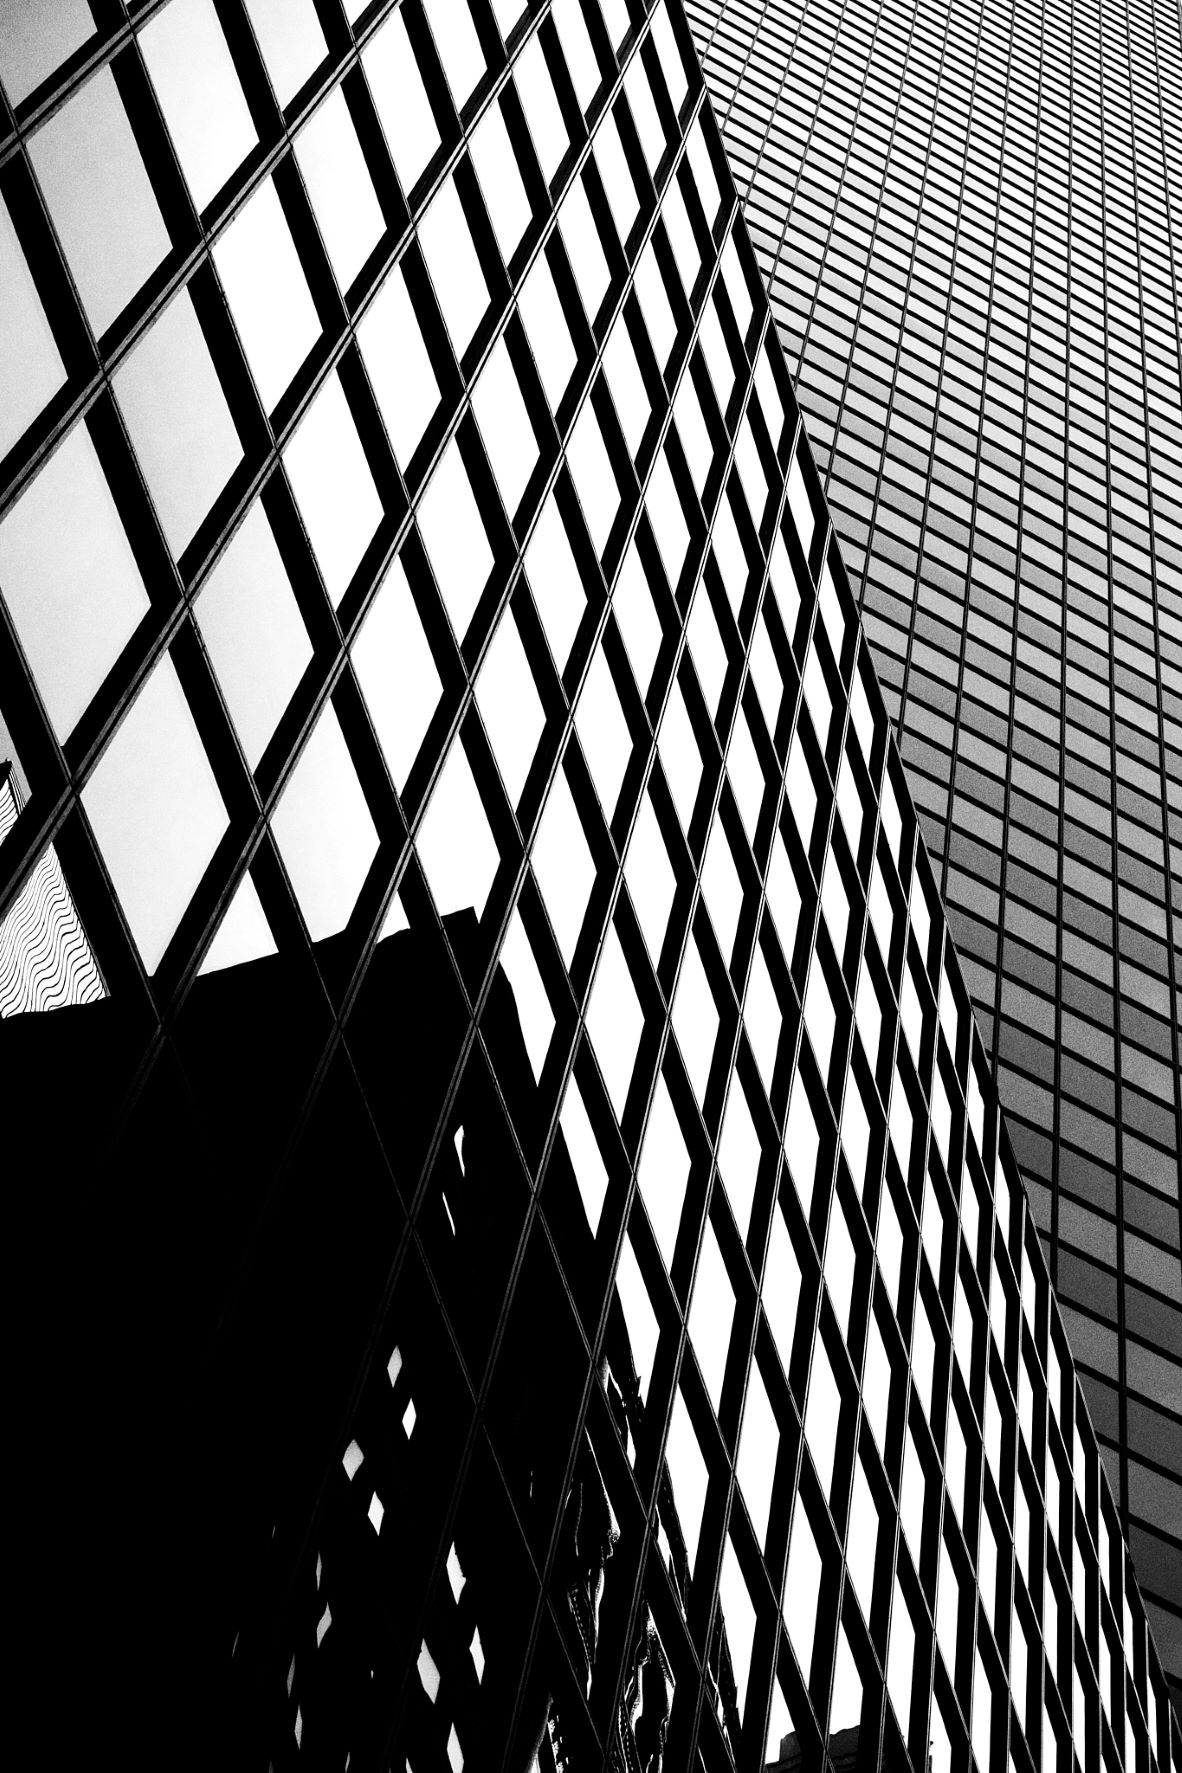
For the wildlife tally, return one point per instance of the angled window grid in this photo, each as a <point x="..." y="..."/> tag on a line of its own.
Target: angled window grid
<point x="534" y="1186"/>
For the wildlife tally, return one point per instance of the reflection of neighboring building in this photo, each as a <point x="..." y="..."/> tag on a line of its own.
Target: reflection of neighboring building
<point x="842" y="1750"/>
<point x="46" y="961"/>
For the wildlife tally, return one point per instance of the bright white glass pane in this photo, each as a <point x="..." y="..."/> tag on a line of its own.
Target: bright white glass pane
<point x="243" y="934"/>
<point x="500" y="181"/>
<point x="397" y="674"/>
<point x="736" y="284"/>
<point x="695" y="1019"/>
<point x="801" y="1143"/>
<point x="458" y="46"/>
<point x="783" y="896"/>
<point x="199" y="94"/>
<point x="717" y="354"/>
<point x="650" y="879"/>
<point x="759" y="1446"/>
<point x="819" y="1018"/>
<point x="547" y="331"/>
<point x="594" y="477"/>
<point x="711" y="1315"/>
<point x="703" y="170"/>
<point x="539" y="101"/>
<point x="179" y="422"/>
<point x="667" y="518"/>
<point x="687" y="1474"/>
<point x="69" y="579"/>
<point x="156" y="811"/>
<point x="900" y="1659"/>
<point x="33" y="369"/>
<point x="510" y="706"/>
<point x="455" y="270"/>
<point x="400" y="99"/>
<point x="333" y="486"/>
<point x="251" y="624"/>
<point x="706" y="649"/>
<point x="845" y="1707"/>
<point x="722" y="888"/>
<point x="654" y="301"/>
<point x="802" y="1589"/>
<point x="839" y="1265"/>
<point x="763" y="1018"/>
<point x="662" y="1172"/>
<point x="746" y="775"/>
<point x="268" y="294"/>
<point x="554" y="579"/>
<point x="889" y="1247"/>
<point x="100" y="197"/>
<point x="781" y="1288"/>
<point x="734" y="1600"/>
<point x="529" y="994"/>
<point x="691" y="429"/>
<point x="862" y="1539"/>
<point x="629" y="394"/>
<point x="507" y="13"/>
<point x="632" y="602"/>
<point x="876" y="1383"/>
<point x="584" y="248"/>
<point x="730" y="555"/>
<point x="738" y="1155"/>
<point x="639" y="1316"/>
<point x="395" y="356"/>
<point x="454" y="536"/>
<point x="616" y="175"/>
<point x="456" y="845"/>
<point x="585" y="1155"/>
<point x="563" y="866"/>
<point x="615" y="1020"/>
<point x="345" y="203"/>
<point x="505" y="425"/>
<point x="680" y="758"/>
<point x="766" y="675"/>
<point x="670" y="56"/>
<point x="644" y="113"/>
<point x="822" y="1415"/>
<point x="576" y="48"/>
<point x="751" y="473"/>
<point x="324" y="830"/>
<point x="911" y="1498"/>
<point x="681" y="235"/>
<point x="37" y="37"/>
<point x="603" y="732"/>
<point x="291" y="40"/>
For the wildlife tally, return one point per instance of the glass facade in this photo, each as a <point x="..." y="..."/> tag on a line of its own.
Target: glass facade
<point x="968" y="221"/>
<point x="532" y="1271"/>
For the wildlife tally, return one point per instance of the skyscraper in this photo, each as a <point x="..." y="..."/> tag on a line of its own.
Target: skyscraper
<point x="968" y="218"/>
<point x="525" y="1266"/>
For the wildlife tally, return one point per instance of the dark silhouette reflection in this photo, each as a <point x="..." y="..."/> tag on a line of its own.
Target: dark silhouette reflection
<point x="297" y="1385"/>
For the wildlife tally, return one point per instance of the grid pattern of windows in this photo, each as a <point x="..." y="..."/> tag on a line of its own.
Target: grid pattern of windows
<point x="968" y="220"/>
<point x="432" y="425"/>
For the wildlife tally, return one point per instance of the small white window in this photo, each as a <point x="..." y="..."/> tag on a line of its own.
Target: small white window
<point x="801" y="1142"/>
<point x="458" y="45"/>
<point x="639" y="1316"/>
<point x="682" y="238"/>
<point x="639" y="624"/>
<point x="840" y="1263"/>
<point x="861" y="1546"/>
<point x="691" y="429"/>
<point x="746" y="775"/>
<point x="629" y="394"/>
<point x="688" y="1475"/>
<point x="396" y="670"/>
<point x="509" y="439"/>
<point x="680" y="758"/>
<point x="510" y="706"/>
<point x="584" y="248"/>
<point x="548" y="333"/>
<point x="594" y="477"/>
<point x="759" y="1446"/>
<point x="736" y="284"/>
<point x="695" y="1019"/>
<point x="769" y="397"/>
<point x="662" y="1172"/>
<point x="539" y="101"/>
<point x="455" y="270"/>
<point x="649" y="876"/>
<point x="781" y="1289"/>
<point x="750" y="466"/>
<point x="800" y="506"/>
<point x="334" y="488"/>
<point x="763" y="1018"/>
<point x="500" y="179"/>
<point x="243" y="934"/>
<point x="197" y="85"/>
<point x="900" y="1660"/>
<point x="822" y="1416"/>
<point x="705" y="177"/>
<point x="456" y="845"/>
<point x="553" y="574"/>
<point x="615" y="1021"/>
<point x="334" y="169"/>
<point x="717" y="354"/>
<point x="585" y="1156"/>
<point x="667" y="518"/>
<point x="739" y="1155"/>
<point x="730" y="554"/>
<point x="722" y="888"/>
<point x="766" y="675"/>
<point x="783" y="896"/>
<point x="876" y="1384"/>
<point x="563" y="866"/>
<point x="324" y="830"/>
<point x="644" y="113"/>
<point x="400" y="372"/>
<point x="454" y="536"/>
<point x="291" y="41"/>
<point x="268" y="294"/>
<point x="738" y="1618"/>
<point x="711" y="1315"/>
<point x="889" y="1247"/>
<point x="603" y="732"/>
<point x="576" y="48"/>
<point x="529" y="993"/>
<point x="400" y="99"/>
<point x="672" y="65"/>
<point x="802" y="1589"/>
<point x="616" y="175"/>
<point x="706" y="649"/>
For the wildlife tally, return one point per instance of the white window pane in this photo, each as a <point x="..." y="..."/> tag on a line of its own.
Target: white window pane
<point x="324" y="830"/>
<point x="781" y="1289"/>
<point x="840" y="1265"/>
<point x="822" y="1415"/>
<point x="801" y="1143"/>
<point x="500" y="181"/>
<point x="662" y="1172"/>
<point x="671" y="63"/>
<point x="345" y="203"/>
<point x="395" y="356"/>
<point x="539" y="101"/>
<point x="629" y="394"/>
<point x="594" y="477"/>
<point x="400" y="99"/>
<point x="243" y="934"/>
<point x="584" y="248"/>
<point x="819" y="1017"/>
<point x="102" y="203"/>
<point x="876" y="1384"/>
<point x="199" y="94"/>
<point x="746" y="775"/>
<point x="680" y="758"/>
<point x="179" y="421"/>
<point x="456" y="845"/>
<point x="454" y="536"/>
<point x="762" y="1018"/>
<point x="397" y="674"/>
<point x="563" y="866"/>
<point x="576" y="48"/>
<point x="553" y="574"/>
<point x="603" y="732"/>
<point x="845" y="1707"/>
<point x="802" y="1589"/>
<point x="736" y="284"/>
<point x="688" y="1476"/>
<point x="291" y="41"/>
<point x="529" y="994"/>
<point x="654" y="301"/>
<point x="783" y="896"/>
<point x="547" y="331"/>
<point x="507" y="13"/>
<point x="268" y="294"/>
<point x="681" y="235"/>
<point x="711" y="1315"/>
<point x="251" y="624"/>
<point x="650" y="879"/>
<point x="644" y="113"/>
<point x="455" y="270"/>
<point x="855" y="1131"/>
<point x="667" y="518"/>
<point x="730" y="555"/>
<point x="333" y="486"/>
<point x="585" y="1155"/>
<point x="37" y="38"/>
<point x="639" y="1316"/>
<point x="156" y="811"/>
<point x="862" y="1539"/>
<point x="639" y="624"/>
<point x="900" y="1660"/>
<point x="69" y="579"/>
<point x="738" y="1614"/>
<point x="617" y="178"/>
<point x="798" y="504"/>
<point x="505" y="426"/>
<point x="704" y="175"/>
<point x="766" y="675"/>
<point x="722" y="888"/>
<point x="695" y="1019"/>
<point x="691" y="429"/>
<point x="747" y="460"/>
<point x="33" y="369"/>
<point x="706" y="649"/>
<point x="458" y="46"/>
<point x="738" y="1155"/>
<point x="510" y="706"/>
<point x="615" y="1020"/>
<point x="716" y="351"/>
<point x="759" y="1446"/>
